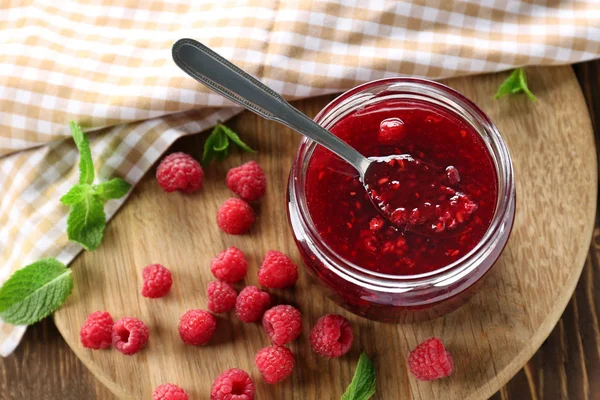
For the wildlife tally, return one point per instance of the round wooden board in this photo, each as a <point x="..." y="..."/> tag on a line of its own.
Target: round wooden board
<point x="490" y="338"/>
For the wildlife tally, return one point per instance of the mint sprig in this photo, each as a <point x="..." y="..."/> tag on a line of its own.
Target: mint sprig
<point x="515" y="83"/>
<point x="34" y="292"/>
<point x="218" y="143"/>
<point x="362" y="386"/>
<point x="87" y="221"/>
<point x="37" y="290"/>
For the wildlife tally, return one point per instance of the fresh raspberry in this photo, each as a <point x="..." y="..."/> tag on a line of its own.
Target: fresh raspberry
<point x="430" y="360"/>
<point x="221" y="297"/>
<point x="129" y="335"/>
<point x="180" y="171"/>
<point x="277" y="271"/>
<point x="390" y="130"/>
<point x="233" y="384"/>
<point x="235" y="216"/>
<point x="283" y="324"/>
<point x="169" y="391"/>
<point x="247" y="181"/>
<point x="331" y="336"/>
<point x="157" y="281"/>
<point x="96" y="331"/>
<point x="196" y="327"/>
<point x="275" y="363"/>
<point x="251" y="304"/>
<point x="229" y="265"/>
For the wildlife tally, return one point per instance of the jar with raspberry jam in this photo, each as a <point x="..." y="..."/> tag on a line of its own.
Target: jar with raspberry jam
<point x="456" y="191"/>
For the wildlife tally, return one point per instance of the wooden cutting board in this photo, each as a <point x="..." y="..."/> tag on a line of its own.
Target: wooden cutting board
<point x="490" y="338"/>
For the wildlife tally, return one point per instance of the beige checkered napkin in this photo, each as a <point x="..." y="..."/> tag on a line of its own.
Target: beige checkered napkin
<point x="107" y="65"/>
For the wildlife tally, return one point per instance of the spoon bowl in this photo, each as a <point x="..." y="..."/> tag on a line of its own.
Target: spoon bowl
<point x="417" y="196"/>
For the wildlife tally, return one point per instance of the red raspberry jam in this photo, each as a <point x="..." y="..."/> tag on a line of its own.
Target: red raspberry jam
<point x="443" y="193"/>
<point x="450" y="201"/>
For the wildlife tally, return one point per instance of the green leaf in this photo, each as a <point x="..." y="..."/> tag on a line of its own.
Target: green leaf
<point x="221" y="142"/>
<point x="236" y="139"/>
<point x="221" y="155"/>
<point x="35" y="292"/>
<point x="523" y="84"/>
<point x="217" y="144"/>
<point x="209" y="152"/>
<point x="113" y="189"/>
<point x="509" y="84"/>
<point x="76" y="194"/>
<point x="515" y="83"/>
<point x="86" y="222"/>
<point x="362" y="386"/>
<point x="86" y="165"/>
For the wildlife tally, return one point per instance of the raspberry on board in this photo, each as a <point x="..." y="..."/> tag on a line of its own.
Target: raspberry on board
<point x="331" y="336"/>
<point x="233" y="384"/>
<point x="430" y="360"/>
<point x="283" y="324"/>
<point x="251" y="304"/>
<point x="129" y="335"/>
<point x="157" y="281"/>
<point x="247" y="181"/>
<point x="229" y="265"/>
<point x="221" y="297"/>
<point x="168" y="391"/>
<point x="180" y="171"/>
<point x="235" y="216"/>
<point x="275" y="363"/>
<point x="96" y="331"/>
<point x="277" y="271"/>
<point x="196" y="327"/>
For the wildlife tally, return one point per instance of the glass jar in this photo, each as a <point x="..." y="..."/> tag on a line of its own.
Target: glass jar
<point x="402" y="298"/>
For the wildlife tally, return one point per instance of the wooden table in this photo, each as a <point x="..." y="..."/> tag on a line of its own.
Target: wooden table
<point x="44" y="367"/>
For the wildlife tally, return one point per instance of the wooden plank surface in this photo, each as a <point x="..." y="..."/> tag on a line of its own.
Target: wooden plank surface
<point x="563" y="368"/>
<point x="491" y="337"/>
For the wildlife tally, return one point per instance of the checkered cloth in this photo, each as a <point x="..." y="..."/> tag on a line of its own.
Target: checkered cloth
<point x="107" y="65"/>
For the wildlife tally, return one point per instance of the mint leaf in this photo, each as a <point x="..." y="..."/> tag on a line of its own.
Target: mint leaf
<point x="113" y="189"/>
<point x="515" y="83"/>
<point x="209" y="152"/>
<point x="362" y="386"/>
<point x="511" y="83"/>
<point x="217" y="144"/>
<point x="86" y="165"/>
<point x="221" y="155"/>
<point x="221" y="142"/>
<point x="86" y="222"/>
<point x="35" y="292"/>
<point x="76" y="194"/>
<point x="523" y="84"/>
<point x="236" y="139"/>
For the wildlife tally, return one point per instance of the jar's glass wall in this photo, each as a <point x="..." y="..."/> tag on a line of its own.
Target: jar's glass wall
<point x="393" y="297"/>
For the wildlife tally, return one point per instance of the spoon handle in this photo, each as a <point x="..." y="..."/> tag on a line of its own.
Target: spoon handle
<point x="209" y="68"/>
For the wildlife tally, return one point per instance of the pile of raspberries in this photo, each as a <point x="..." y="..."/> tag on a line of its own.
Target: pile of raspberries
<point x="331" y="336"/>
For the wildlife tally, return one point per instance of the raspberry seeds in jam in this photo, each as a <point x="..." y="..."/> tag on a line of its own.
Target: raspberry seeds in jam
<point x="440" y="196"/>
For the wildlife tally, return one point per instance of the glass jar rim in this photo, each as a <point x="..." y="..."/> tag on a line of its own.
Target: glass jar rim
<point x="360" y="96"/>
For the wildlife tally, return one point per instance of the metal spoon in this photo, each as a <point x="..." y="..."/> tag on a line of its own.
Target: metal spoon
<point x="220" y="75"/>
